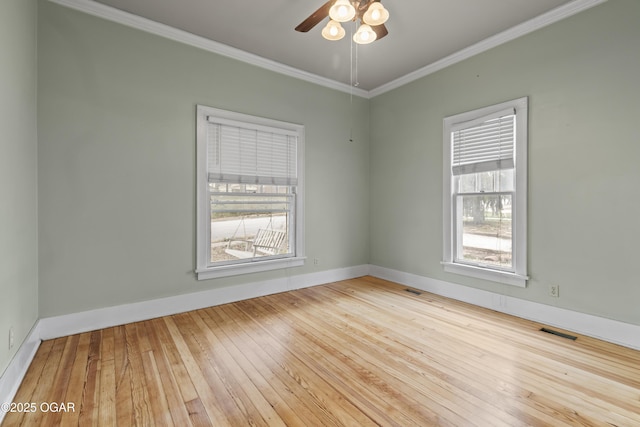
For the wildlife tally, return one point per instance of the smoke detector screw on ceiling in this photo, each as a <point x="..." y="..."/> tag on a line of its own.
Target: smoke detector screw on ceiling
<point x="370" y="13"/>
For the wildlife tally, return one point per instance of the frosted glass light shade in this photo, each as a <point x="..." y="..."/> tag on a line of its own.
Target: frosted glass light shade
<point x="364" y="35"/>
<point x="376" y="14"/>
<point x="333" y="31"/>
<point x="342" y="11"/>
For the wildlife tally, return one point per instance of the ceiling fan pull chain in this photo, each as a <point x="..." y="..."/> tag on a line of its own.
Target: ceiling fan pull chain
<point x="353" y="61"/>
<point x="357" y="83"/>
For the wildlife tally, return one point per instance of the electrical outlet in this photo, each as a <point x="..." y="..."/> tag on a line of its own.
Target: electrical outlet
<point x="11" y="338"/>
<point x="554" y="291"/>
<point x="316" y="261"/>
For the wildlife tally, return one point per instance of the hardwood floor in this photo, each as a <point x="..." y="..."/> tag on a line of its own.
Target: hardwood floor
<point x="358" y="352"/>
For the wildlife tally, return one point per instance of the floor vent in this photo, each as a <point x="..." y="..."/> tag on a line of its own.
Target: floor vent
<point x="560" y="334"/>
<point x="413" y="291"/>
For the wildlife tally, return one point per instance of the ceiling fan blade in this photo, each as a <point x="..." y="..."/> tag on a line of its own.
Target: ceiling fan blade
<point x="364" y="4"/>
<point x="380" y="31"/>
<point x="315" y="17"/>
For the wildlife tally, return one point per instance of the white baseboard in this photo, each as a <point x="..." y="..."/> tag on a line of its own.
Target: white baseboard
<point x="613" y="331"/>
<point x="69" y="324"/>
<point x="12" y="377"/>
<point x="53" y="327"/>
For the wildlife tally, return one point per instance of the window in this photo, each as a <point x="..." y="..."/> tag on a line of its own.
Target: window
<point x="485" y="193"/>
<point x="249" y="193"/>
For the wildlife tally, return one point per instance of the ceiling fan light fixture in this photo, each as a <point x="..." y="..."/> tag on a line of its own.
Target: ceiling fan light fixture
<point x="333" y="31"/>
<point x="342" y="11"/>
<point x="364" y="35"/>
<point x="376" y="14"/>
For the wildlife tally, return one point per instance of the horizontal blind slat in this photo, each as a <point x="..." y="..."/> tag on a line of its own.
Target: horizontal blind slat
<point x="485" y="145"/>
<point x="480" y="120"/>
<point x="252" y="155"/>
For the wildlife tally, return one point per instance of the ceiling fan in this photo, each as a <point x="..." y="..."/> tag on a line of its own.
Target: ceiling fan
<point x="371" y="13"/>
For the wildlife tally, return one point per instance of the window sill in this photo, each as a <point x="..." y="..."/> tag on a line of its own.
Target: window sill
<point x="504" y="277"/>
<point x="251" y="267"/>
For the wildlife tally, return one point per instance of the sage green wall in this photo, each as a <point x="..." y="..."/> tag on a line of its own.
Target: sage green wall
<point x="582" y="79"/>
<point x="117" y="161"/>
<point x="18" y="174"/>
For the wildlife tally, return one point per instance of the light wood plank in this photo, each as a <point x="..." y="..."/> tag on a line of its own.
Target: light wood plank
<point x="122" y="369"/>
<point x="289" y="393"/>
<point x="319" y="393"/>
<point x="236" y="380"/>
<point x="107" y="393"/>
<point x="214" y="411"/>
<point x="165" y="380"/>
<point x="391" y="373"/>
<point x="358" y="352"/>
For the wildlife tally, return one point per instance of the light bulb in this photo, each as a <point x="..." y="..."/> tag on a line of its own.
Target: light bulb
<point x="342" y="11"/>
<point x="333" y="31"/>
<point x="376" y="14"/>
<point x="364" y="35"/>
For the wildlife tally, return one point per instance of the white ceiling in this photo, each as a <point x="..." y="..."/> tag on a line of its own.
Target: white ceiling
<point x="421" y="32"/>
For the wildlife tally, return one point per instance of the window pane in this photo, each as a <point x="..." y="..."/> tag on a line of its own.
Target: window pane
<point x="484" y="230"/>
<point x="249" y="221"/>
<point x="486" y="182"/>
<point x="467" y="183"/>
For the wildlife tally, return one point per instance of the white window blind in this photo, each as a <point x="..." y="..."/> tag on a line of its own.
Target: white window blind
<point x="250" y="154"/>
<point x="484" y="144"/>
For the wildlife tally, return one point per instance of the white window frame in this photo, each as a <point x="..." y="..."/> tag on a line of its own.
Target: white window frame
<point x="518" y="275"/>
<point x="205" y="269"/>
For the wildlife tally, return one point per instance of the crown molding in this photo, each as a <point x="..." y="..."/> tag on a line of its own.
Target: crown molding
<point x="512" y="33"/>
<point x="109" y="13"/>
<point x="115" y="15"/>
